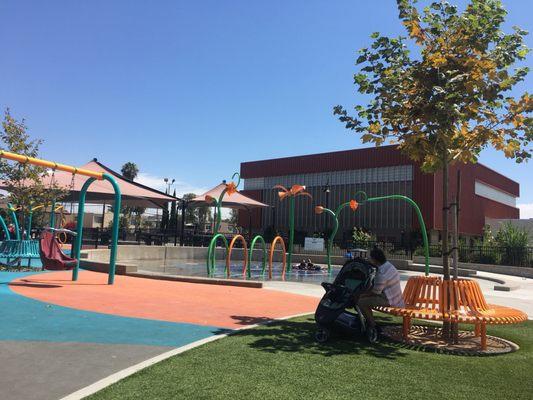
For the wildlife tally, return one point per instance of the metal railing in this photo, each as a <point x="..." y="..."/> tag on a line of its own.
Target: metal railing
<point x="499" y="255"/>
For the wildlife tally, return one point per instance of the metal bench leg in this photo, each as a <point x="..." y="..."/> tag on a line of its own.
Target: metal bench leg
<point x="406" y="328"/>
<point x="483" y="336"/>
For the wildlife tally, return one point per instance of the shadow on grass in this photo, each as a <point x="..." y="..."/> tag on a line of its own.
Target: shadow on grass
<point x="298" y="336"/>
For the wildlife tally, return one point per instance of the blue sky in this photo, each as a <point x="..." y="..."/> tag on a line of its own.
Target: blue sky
<point x="169" y="84"/>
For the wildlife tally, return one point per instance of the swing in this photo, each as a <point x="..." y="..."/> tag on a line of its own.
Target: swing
<point x="52" y="257"/>
<point x="52" y="239"/>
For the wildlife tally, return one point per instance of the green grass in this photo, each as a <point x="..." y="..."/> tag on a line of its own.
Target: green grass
<point x="282" y="361"/>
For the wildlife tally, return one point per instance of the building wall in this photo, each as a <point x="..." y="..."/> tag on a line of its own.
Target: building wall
<point x="378" y="171"/>
<point x="474" y="208"/>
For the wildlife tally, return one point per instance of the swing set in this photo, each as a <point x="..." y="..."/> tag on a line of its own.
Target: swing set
<point x="49" y="248"/>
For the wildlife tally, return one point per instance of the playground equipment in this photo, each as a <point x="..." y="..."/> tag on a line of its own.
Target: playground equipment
<point x="291" y="194"/>
<point x="52" y="257"/>
<point x="230" y="189"/>
<point x="432" y="298"/>
<point x="22" y="247"/>
<point x="354" y="204"/>
<point x="93" y="176"/>
<point x="319" y="210"/>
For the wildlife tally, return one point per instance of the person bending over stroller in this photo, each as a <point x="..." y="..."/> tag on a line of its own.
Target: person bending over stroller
<point x="386" y="290"/>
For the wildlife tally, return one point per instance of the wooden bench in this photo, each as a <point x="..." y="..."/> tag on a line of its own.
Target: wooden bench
<point x="457" y="300"/>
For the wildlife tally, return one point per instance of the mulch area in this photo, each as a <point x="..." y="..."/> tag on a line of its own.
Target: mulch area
<point x="429" y="338"/>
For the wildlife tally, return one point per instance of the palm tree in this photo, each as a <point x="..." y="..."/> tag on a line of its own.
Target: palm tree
<point x="130" y="170"/>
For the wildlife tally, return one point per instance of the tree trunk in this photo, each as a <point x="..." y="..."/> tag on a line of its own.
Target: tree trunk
<point x="445" y="259"/>
<point x="445" y="212"/>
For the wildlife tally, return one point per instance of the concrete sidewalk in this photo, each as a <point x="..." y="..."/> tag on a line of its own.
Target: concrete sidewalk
<point x="49" y="371"/>
<point x="521" y="297"/>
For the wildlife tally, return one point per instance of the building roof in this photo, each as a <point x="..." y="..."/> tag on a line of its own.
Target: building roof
<point x="133" y="193"/>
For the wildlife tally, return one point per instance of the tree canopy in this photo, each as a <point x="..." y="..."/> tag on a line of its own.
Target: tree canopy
<point x="450" y="98"/>
<point x="24" y="181"/>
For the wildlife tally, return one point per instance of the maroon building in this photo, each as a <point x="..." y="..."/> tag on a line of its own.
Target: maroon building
<point x="333" y="178"/>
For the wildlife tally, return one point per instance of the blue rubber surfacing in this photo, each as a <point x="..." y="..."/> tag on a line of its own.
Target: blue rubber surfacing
<point x="27" y="319"/>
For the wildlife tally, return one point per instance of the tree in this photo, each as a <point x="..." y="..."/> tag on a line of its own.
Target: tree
<point x="233" y="218"/>
<point x="190" y="217"/>
<point x="196" y="215"/>
<point x="24" y="182"/>
<point x="173" y="213"/>
<point x="451" y="99"/>
<point x="130" y="170"/>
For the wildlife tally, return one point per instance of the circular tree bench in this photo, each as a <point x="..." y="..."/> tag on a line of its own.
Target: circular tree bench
<point x="457" y="300"/>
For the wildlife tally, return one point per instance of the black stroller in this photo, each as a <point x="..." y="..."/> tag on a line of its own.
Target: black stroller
<point x="356" y="276"/>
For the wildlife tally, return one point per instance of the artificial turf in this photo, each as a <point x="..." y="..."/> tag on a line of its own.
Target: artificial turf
<point x="282" y="361"/>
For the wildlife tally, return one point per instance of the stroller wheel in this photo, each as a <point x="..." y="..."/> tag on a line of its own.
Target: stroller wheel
<point x="322" y="336"/>
<point x="372" y="335"/>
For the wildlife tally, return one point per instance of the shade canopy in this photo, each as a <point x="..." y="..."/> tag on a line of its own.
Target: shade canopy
<point x="133" y="193"/>
<point x="235" y="200"/>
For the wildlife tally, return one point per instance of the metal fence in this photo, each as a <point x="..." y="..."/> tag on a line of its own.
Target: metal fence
<point x="519" y="256"/>
<point x="499" y="255"/>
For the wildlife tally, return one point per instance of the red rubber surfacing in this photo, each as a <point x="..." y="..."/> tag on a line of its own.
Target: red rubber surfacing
<point x="211" y="305"/>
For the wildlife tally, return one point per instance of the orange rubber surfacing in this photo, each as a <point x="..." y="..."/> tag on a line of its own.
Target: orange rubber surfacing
<point x="212" y="305"/>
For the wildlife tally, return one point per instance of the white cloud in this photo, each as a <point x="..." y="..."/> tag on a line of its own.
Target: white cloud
<point x="157" y="182"/>
<point x="526" y="210"/>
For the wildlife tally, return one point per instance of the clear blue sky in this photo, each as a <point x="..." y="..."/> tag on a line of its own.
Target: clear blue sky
<point x="168" y="84"/>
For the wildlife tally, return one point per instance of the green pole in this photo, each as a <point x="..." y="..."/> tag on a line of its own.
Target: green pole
<point x="218" y="204"/>
<point x="420" y="221"/>
<point x="211" y="252"/>
<point x="4" y="227"/>
<point x="114" y="231"/>
<point x="291" y="231"/>
<point x="53" y="215"/>
<point x="252" y="245"/>
<point x="79" y="227"/>
<point x="15" y="220"/>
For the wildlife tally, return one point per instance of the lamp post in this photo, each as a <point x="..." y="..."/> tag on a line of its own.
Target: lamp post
<point x="169" y="183"/>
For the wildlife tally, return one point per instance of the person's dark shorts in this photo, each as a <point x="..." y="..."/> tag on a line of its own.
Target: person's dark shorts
<point x="373" y="300"/>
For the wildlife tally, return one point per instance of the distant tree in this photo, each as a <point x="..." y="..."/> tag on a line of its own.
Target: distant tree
<point x="130" y="170"/>
<point x="24" y="182"/>
<point x="173" y="214"/>
<point x="196" y="215"/>
<point x="165" y="216"/>
<point x="233" y="218"/>
<point x="130" y="214"/>
<point x="190" y="217"/>
<point x="451" y="99"/>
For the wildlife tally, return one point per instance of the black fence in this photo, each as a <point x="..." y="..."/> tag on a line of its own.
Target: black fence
<point x="499" y="255"/>
<point x="519" y="256"/>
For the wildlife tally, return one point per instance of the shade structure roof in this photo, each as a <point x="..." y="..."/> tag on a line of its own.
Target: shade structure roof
<point x="133" y="193"/>
<point x="235" y="200"/>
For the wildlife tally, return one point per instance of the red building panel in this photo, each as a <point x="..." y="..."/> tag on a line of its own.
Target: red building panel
<point x="474" y="208"/>
<point x="373" y="157"/>
<point x="427" y="188"/>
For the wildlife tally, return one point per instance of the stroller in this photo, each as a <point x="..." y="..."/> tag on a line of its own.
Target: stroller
<point x="356" y="275"/>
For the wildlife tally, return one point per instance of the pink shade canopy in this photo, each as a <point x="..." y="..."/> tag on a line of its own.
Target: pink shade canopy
<point x="235" y="200"/>
<point x="133" y="193"/>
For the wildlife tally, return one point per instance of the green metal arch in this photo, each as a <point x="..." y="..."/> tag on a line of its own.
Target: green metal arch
<point x="114" y="232"/>
<point x="5" y="229"/>
<point x="211" y="253"/>
<point x="15" y="220"/>
<point x="252" y="245"/>
<point x="420" y="221"/>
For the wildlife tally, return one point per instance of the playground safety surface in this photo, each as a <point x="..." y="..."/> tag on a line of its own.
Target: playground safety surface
<point x="59" y="336"/>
